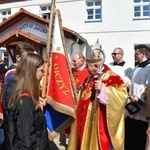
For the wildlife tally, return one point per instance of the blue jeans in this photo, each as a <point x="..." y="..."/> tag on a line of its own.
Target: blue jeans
<point x="1" y="136"/>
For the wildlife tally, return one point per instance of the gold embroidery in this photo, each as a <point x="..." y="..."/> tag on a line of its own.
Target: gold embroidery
<point x="86" y="93"/>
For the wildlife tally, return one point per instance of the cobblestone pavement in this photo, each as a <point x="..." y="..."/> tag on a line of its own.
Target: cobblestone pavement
<point x="59" y="143"/>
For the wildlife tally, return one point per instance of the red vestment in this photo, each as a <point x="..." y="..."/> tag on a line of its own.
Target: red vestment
<point x="80" y="76"/>
<point x="108" y="125"/>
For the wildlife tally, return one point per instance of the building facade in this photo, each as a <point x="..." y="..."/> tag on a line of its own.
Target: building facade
<point x="119" y="23"/>
<point x="24" y="25"/>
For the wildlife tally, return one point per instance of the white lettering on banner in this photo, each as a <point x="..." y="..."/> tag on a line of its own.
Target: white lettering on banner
<point x="34" y="27"/>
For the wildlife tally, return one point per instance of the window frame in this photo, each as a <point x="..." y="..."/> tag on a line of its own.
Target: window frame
<point x="5" y="14"/>
<point x="45" y="12"/>
<point x="93" y="8"/>
<point x="140" y="5"/>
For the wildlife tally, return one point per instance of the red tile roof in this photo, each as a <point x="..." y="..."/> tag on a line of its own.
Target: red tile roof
<point x="19" y="35"/>
<point x="18" y="16"/>
<point x="24" y="13"/>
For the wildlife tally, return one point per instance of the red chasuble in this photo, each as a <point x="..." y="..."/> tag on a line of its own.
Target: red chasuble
<point x="80" y="76"/>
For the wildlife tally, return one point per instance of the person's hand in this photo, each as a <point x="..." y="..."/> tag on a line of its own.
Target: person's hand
<point x="98" y="85"/>
<point x="128" y="85"/>
<point x="43" y="102"/>
<point x="134" y="98"/>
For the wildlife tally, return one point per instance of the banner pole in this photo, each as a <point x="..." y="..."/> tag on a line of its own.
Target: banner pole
<point x="68" y="64"/>
<point x="48" y="49"/>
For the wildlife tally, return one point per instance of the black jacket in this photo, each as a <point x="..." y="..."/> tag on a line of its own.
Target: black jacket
<point x="26" y="127"/>
<point x="7" y="91"/>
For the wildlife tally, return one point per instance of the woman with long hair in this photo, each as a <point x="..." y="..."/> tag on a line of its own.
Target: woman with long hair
<point x="26" y="124"/>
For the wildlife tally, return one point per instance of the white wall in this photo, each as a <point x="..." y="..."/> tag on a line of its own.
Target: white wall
<point x="117" y="28"/>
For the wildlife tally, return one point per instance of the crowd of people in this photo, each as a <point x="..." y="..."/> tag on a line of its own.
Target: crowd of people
<point x="112" y="111"/>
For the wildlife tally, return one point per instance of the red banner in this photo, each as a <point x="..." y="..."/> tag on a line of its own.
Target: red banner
<point x="60" y="94"/>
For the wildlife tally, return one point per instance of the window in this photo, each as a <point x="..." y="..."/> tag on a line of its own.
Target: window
<point x="142" y="8"/>
<point x="5" y="14"/>
<point x="45" y="12"/>
<point x="93" y="10"/>
<point x="4" y="55"/>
